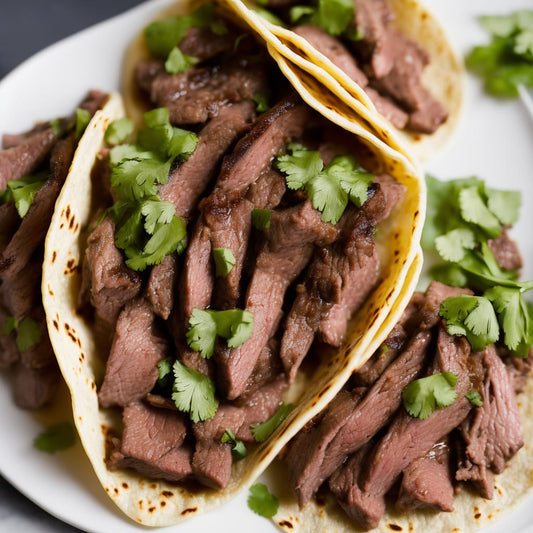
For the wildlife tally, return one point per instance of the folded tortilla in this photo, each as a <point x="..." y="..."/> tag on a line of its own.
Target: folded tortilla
<point x="443" y="77"/>
<point x="157" y="502"/>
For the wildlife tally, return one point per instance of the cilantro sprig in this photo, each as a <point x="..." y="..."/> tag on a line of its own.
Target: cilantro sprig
<point x="56" y="438"/>
<point x="148" y="229"/>
<point x="506" y="62"/>
<point x="193" y="393"/>
<point x="234" y="325"/>
<point x="238" y="448"/>
<point x="28" y="333"/>
<point x="462" y="216"/>
<point x="22" y="191"/>
<point x="330" y="188"/>
<point x="261" y="501"/>
<point x="423" y="396"/>
<point x="262" y="432"/>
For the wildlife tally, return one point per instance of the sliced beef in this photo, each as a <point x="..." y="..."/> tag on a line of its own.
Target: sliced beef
<point x="131" y="370"/>
<point x="22" y="294"/>
<point x="376" y="45"/>
<point x="34" y="225"/>
<point x="191" y="178"/>
<point x="9" y="222"/>
<point x="34" y="388"/>
<point x="518" y="368"/>
<point x="352" y="421"/>
<point x="203" y="43"/>
<point x="386" y="107"/>
<point x="25" y="157"/>
<point x="153" y="443"/>
<point x="334" y="50"/>
<point x="94" y="101"/>
<point x="274" y="129"/>
<point x="9" y="353"/>
<point x="268" y="190"/>
<point x="427" y="481"/>
<point x="211" y="463"/>
<point x="160" y="287"/>
<point x="292" y="235"/>
<point x="194" y="96"/>
<point x="506" y="251"/>
<point x="492" y="433"/>
<point x="403" y="83"/>
<point x="409" y="438"/>
<point x="109" y="283"/>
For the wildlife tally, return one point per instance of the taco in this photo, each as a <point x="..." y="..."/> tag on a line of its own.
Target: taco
<point x="389" y="61"/>
<point x="33" y="168"/>
<point x="431" y="432"/>
<point x="182" y="268"/>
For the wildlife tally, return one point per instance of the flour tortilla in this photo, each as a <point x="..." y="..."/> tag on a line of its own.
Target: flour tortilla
<point x="156" y="502"/>
<point x="443" y="76"/>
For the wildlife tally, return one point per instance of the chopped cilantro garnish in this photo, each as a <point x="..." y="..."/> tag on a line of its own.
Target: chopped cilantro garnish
<point x="55" y="438"/>
<point x="474" y="398"/>
<point x="234" y="325"/>
<point x="83" y="117"/>
<point x="261" y="501"/>
<point x="28" y="332"/>
<point x="262" y="432"/>
<point x="268" y="16"/>
<point x="330" y="188"/>
<point x="178" y="62"/>
<point x="57" y="126"/>
<point x="193" y="393"/>
<point x="507" y="61"/>
<point x="423" y="396"/>
<point x="238" y="449"/>
<point x="261" y="218"/>
<point x="224" y="261"/>
<point x="23" y="191"/>
<point x="163" y="35"/>
<point x="472" y="316"/>
<point x="118" y="131"/>
<point x="261" y="102"/>
<point x="333" y="16"/>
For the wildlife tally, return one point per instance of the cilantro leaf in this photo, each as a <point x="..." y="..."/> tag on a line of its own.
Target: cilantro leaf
<point x="55" y="438"/>
<point x="452" y="246"/>
<point x="300" y="166"/>
<point x="474" y="398"/>
<point x="261" y="218"/>
<point x="234" y="325"/>
<point x="330" y="188"/>
<point x="23" y="191"/>
<point x="423" y="396"/>
<point x="164" y="371"/>
<point x="10" y="325"/>
<point x="261" y="102"/>
<point x="504" y="205"/>
<point x="262" y="432"/>
<point x="261" y="501"/>
<point x="156" y="212"/>
<point x="238" y="449"/>
<point x="83" y="117"/>
<point x="193" y="393"/>
<point x="475" y="211"/>
<point x="178" y="62"/>
<point x="268" y="16"/>
<point x="118" y="131"/>
<point x="333" y="16"/>
<point x="28" y="334"/>
<point x="224" y="261"/>
<point x="472" y="316"/>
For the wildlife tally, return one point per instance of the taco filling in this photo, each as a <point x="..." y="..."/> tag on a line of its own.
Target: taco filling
<point x="360" y="39"/>
<point x="434" y="412"/>
<point x="33" y="168"/>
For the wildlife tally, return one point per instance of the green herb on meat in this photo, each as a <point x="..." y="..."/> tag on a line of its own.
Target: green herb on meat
<point x="261" y="501"/>
<point x="261" y="102"/>
<point x="423" y="396"/>
<point x="268" y="16"/>
<point x="330" y="188"/>
<point x="83" y="117"/>
<point x="474" y="398"/>
<point x="262" y="432"/>
<point x="238" y="449"/>
<point x="333" y="16"/>
<point x="27" y="331"/>
<point x="146" y="228"/>
<point x="55" y="438"/>
<point x="224" y="261"/>
<point x="22" y="191"/>
<point x="506" y="63"/>
<point x="234" y="325"/>
<point x="261" y="218"/>
<point x="193" y="393"/>
<point x="178" y="62"/>
<point x="118" y="131"/>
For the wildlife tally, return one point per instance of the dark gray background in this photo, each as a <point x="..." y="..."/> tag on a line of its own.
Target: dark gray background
<point x="27" y="26"/>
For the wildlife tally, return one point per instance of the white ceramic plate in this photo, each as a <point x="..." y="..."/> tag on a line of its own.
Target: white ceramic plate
<point x="494" y="141"/>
